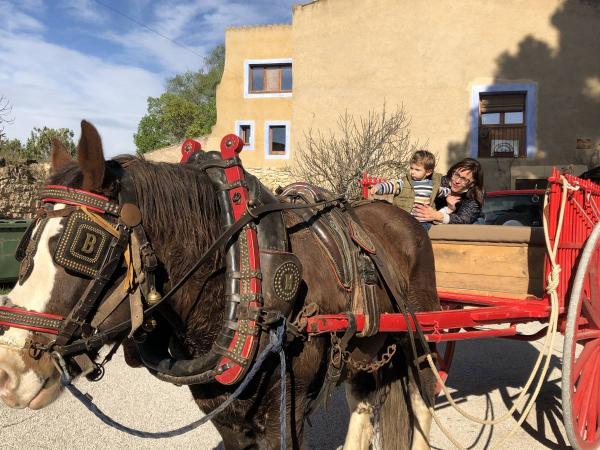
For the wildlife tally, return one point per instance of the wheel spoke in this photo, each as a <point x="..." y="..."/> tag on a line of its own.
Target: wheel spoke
<point x="591" y="312"/>
<point x="583" y="388"/>
<point x="584" y="391"/>
<point x="592" y="423"/>
<point x="589" y="350"/>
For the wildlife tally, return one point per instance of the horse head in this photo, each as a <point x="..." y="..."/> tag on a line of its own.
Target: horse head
<point x="48" y="287"/>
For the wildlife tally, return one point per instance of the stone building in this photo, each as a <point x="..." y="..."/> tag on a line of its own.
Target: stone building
<point x="515" y="83"/>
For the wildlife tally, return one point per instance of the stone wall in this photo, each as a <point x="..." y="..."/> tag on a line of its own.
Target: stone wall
<point x="272" y="178"/>
<point x="19" y="186"/>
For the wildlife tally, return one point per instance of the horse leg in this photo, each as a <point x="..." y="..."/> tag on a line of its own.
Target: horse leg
<point x="394" y="414"/>
<point x="360" y="428"/>
<point x="236" y="439"/>
<point x="424" y="386"/>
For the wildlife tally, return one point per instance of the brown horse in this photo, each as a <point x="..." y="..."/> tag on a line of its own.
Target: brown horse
<point x="179" y="214"/>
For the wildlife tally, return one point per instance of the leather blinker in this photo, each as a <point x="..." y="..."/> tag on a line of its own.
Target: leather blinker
<point x="82" y="245"/>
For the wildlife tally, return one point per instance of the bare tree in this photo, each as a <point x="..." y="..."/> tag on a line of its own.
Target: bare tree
<point x="5" y="110"/>
<point x="377" y="143"/>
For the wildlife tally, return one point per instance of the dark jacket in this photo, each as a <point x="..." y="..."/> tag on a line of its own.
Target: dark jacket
<point x="467" y="209"/>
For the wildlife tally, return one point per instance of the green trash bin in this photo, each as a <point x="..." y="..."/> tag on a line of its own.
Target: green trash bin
<point x="11" y="231"/>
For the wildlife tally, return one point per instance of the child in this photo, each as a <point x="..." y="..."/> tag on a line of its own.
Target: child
<point x="420" y="185"/>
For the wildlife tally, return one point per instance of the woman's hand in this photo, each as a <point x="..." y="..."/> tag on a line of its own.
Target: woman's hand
<point x="426" y="213"/>
<point x="452" y="200"/>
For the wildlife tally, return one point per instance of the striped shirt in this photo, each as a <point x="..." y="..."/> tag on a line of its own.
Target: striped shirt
<point x="423" y="191"/>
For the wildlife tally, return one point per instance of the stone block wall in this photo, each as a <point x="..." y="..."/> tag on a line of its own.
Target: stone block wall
<point x="19" y="186"/>
<point x="272" y="178"/>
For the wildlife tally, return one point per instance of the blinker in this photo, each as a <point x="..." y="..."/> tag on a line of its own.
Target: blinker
<point x="82" y="245"/>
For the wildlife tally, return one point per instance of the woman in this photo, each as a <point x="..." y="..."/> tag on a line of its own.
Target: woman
<point x="463" y="205"/>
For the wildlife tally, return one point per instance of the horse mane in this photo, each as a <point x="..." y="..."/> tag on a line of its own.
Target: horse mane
<point x="180" y="215"/>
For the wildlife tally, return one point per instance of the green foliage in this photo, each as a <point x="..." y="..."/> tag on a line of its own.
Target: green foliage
<point x="186" y="109"/>
<point x="39" y="142"/>
<point x="11" y="149"/>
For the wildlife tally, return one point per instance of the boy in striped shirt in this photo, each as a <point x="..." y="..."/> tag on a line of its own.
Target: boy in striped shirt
<point x="420" y="185"/>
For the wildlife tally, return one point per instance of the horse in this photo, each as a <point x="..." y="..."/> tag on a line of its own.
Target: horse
<point x="179" y="214"/>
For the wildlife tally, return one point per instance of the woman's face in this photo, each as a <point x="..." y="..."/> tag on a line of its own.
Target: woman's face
<point x="462" y="180"/>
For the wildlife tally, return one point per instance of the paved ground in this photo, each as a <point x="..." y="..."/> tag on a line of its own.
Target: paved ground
<point x="486" y="376"/>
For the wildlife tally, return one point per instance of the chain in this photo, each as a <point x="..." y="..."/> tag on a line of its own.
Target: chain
<point x="338" y="356"/>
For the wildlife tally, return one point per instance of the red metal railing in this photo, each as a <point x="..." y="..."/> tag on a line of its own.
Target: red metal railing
<point x="581" y="213"/>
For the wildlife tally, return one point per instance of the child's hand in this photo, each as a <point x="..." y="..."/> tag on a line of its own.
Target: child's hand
<point x="452" y="200"/>
<point x="373" y="190"/>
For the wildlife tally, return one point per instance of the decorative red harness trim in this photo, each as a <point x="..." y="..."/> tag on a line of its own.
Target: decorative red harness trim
<point x="231" y="145"/>
<point x="8" y="312"/>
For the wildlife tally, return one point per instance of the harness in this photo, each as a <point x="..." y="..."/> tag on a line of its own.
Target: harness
<point x="100" y="235"/>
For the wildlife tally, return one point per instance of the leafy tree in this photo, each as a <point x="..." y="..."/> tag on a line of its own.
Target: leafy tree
<point x="11" y="149"/>
<point x="186" y="109"/>
<point x="38" y="144"/>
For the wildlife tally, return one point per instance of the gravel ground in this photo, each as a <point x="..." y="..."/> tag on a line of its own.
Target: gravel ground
<point x="485" y="377"/>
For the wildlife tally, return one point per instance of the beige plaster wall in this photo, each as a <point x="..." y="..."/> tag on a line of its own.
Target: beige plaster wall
<point x="355" y="54"/>
<point x="261" y="42"/>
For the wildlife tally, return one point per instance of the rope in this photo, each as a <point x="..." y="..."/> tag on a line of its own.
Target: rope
<point x="275" y="345"/>
<point x="544" y="355"/>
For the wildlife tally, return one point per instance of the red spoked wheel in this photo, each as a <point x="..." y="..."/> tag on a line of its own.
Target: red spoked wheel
<point x="581" y="352"/>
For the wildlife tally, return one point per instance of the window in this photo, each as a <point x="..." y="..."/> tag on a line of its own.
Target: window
<point x="503" y="120"/>
<point x="268" y="78"/>
<point x="277" y="140"/>
<point x="245" y="133"/>
<point x="245" y="130"/>
<point x="502" y="126"/>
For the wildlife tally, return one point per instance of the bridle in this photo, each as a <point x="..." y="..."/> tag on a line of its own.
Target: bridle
<point x="118" y="226"/>
<point x="98" y="236"/>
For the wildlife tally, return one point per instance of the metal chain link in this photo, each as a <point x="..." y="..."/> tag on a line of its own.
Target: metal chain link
<point x="337" y="356"/>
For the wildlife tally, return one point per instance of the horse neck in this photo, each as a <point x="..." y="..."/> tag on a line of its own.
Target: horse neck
<point x="180" y="216"/>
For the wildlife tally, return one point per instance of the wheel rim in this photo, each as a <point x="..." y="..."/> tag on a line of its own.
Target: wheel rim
<point x="581" y="352"/>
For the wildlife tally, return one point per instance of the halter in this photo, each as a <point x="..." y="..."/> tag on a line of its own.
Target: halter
<point x="98" y="236"/>
<point x="236" y="345"/>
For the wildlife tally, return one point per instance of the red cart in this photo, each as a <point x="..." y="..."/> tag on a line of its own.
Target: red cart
<point x="504" y="276"/>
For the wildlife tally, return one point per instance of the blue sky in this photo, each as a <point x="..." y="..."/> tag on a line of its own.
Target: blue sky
<point x="63" y="61"/>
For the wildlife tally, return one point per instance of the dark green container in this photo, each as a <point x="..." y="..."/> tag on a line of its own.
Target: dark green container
<point x="11" y="231"/>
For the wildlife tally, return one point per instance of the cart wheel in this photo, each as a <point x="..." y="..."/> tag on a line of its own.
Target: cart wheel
<point x="581" y="352"/>
<point x="445" y="352"/>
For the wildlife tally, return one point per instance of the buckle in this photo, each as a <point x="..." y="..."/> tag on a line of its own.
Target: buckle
<point x="266" y="319"/>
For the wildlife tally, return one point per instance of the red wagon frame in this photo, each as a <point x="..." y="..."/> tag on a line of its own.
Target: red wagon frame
<point x="578" y="295"/>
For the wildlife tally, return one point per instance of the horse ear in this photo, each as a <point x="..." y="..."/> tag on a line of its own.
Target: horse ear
<point x="90" y="157"/>
<point x="60" y="156"/>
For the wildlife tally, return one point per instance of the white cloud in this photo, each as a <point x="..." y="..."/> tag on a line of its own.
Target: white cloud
<point x="56" y="87"/>
<point x="13" y="19"/>
<point x="85" y="10"/>
<point x="51" y="85"/>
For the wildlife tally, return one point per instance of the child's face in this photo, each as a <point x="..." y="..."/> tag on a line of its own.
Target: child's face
<point x="418" y="172"/>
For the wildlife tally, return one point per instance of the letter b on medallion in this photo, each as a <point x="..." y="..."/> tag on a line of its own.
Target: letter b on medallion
<point x="89" y="244"/>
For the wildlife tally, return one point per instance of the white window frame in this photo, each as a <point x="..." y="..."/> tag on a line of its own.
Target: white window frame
<point x="251" y="62"/>
<point x="530" y="112"/>
<point x="269" y="124"/>
<point x="238" y="124"/>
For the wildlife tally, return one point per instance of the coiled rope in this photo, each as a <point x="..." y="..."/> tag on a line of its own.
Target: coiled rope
<point x="545" y="353"/>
